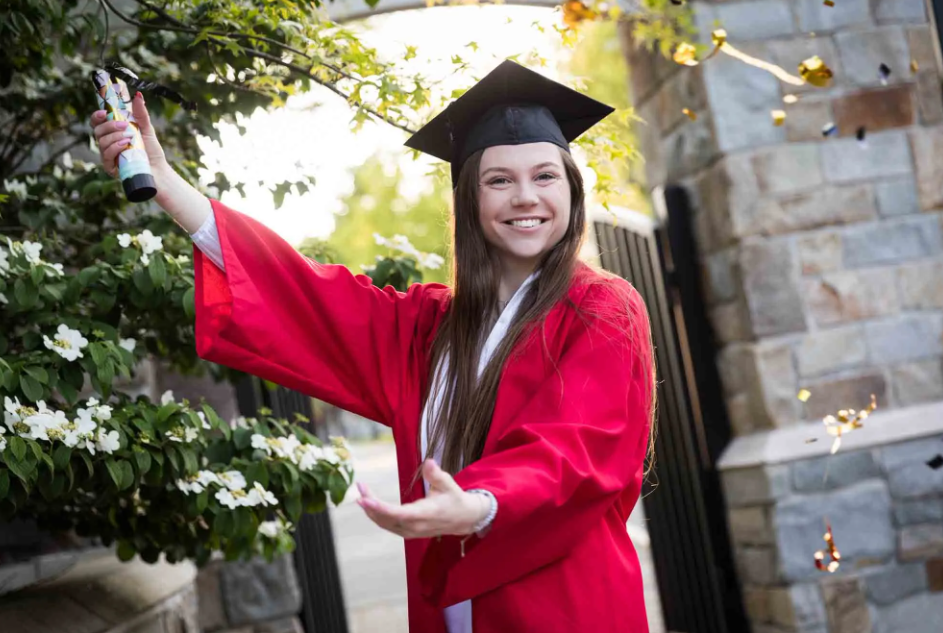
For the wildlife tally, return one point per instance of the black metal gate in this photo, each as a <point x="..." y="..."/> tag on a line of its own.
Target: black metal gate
<point x="315" y="559"/>
<point x="682" y="499"/>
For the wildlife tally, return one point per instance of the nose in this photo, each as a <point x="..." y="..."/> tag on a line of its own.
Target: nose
<point x="525" y="197"/>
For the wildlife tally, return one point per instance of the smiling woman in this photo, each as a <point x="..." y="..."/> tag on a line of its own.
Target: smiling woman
<point x="528" y="423"/>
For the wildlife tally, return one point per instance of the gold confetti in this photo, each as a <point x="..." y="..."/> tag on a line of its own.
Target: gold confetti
<point x="575" y="12"/>
<point x="829" y="3"/>
<point x="690" y="114"/>
<point x="804" y="395"/>
<point x="779" y="117"/>
<point x="685" y="55"/>
<point x="914" y="66"/>
<point x="815" y="72"/>
<point x="832" y="552"/>
<point x="790" y="99"/>
<point x="845" y="421"/>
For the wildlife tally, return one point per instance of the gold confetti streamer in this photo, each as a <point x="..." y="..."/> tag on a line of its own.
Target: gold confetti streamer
<point x="686" y="54"/>
<point x="846" y="421"/>
<point x="815" y="72"/>
<point x="831" y="551"/>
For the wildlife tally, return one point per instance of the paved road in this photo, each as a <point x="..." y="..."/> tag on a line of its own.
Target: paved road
<point x="372" y="565"/>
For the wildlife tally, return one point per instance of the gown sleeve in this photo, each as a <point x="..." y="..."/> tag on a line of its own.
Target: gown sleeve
<point x="577" y="446"/>
<point x="315" y="328"/>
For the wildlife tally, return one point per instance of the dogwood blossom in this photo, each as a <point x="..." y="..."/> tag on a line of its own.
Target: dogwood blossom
<point x="68" y="342"/>
<point x="231" y="499"/>
<point x="182" y="434"/>
<point x="198" y="483"/>
<point x="167" y="397"/>
<point x="124" y="240"/>
<point x="15" y="187"/>
<point x="107" y="442"/>
<point x="271" y="529"/>
<point x="128" y="344"/>
<point x="232" y="479"/>
<point x="147" y="241"/>
<point x="31" y="250"/>
<point x="432" y="261"/>
<point x="3" y="298"/>
<point x="259" y="495"/>
<point x="3" y="440"/>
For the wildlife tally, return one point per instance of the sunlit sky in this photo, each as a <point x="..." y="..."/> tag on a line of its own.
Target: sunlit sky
<point x="298" y="139"/>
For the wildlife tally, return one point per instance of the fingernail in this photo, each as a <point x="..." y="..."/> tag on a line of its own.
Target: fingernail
<point x="138" y="95"/>
<point x="99" y="114"/>
<point x="360" y="488"/>
<point x="121" y="125"/>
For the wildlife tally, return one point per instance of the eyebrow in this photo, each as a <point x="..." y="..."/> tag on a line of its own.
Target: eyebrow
<point x="534" y="168"/>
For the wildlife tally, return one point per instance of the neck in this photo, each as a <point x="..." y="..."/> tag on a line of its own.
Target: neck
<point x="513" y="275"/>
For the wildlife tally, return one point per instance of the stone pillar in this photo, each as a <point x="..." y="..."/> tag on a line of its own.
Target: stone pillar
<point x="822" y="262"/>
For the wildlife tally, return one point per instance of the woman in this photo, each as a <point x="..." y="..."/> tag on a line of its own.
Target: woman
<point x="541" y="405"/>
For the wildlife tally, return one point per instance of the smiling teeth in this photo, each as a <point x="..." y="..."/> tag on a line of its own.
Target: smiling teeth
<point x="526" y="224"/>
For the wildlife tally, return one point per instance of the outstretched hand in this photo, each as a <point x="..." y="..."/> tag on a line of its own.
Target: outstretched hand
<point x="446" y="509"/>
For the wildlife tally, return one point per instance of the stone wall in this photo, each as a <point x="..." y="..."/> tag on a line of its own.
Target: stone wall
<point x="885" y="506"/>
<point x="822" y="256"/>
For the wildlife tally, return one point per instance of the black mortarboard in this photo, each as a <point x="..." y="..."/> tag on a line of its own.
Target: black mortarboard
<point x="510" y="106"/>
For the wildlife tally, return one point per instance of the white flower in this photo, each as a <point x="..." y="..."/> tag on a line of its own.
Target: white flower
<point x="186" y="486"/>
<point x="56" y="269"/>
<point x="16" y="188"/>
<point x="68" y="343"/>
<point x="3" y="440"/>
<point x="431" y="261"/>
<point x="167" y="397"/>
<point x="4" y="262"/>
<point x="240" y="423"/>
<point x="260" y="442"/>
<point x="11" y="411"/>
<point x="259" y="495"/>
<point x="330" y="455"/>
<point x="232" y="479"/>
<point x="181" y="434"/>
<point x="67" y="160"/>
<point x="3" y="298"/>
<point x="231" y="499"/>
<point x="80" y="430"/>
<point x="128" y="344"/>
<point x="309" y="456"/>
<point x="125" y="240"/>
<point x="103" y="412"/>
<point x="145" y="259"/>
<point x="202" y="416"/>
<point x="149" y="242"/>
<point x="45" y="424"/>
<point x="108" y="443"/>
<point x="57" y="172"/>
<point x="31" y="250"/>
<point x="269" y="529"/>
<point x="207" y="477"/>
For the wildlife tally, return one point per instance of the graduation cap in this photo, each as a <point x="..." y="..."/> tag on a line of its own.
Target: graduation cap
<point x="510" y="106"/>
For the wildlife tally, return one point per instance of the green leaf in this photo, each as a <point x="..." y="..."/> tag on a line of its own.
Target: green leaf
<point x="257" y="472"/>
<point x="99" y="353"/>
<point x="202" y="500"/>
<point x="142" y="281"/>
<point x="36" y="449"/>
<point x="157" y="270"/>
<point x="61" y="456"/>
<point x="114" y="469"/>
<point x="18" y="448"/>
<point x="31" y="388"/>
<point x="293" y="507"/>
<point x="36" y="274"/>
<point x="143" y="459"/>
<point x="189" y="306"/>
<point x="338" y="487"/>
<point x="167" y="410"/>
<point x="70" y="393"/>
<point x="143" y="426"/>
<point x="22" y="469"/>
<point x="190" y="462"/>
<point x="88" y="462"/>
<point x="89" y="274"/>
<point x="26" y="294"/>
<point x="126" y="551"/>
<point x="106" y="372"/>
<point x="223" y="523"/>
<point x="127" y="475"/>
<point x="242" y="438"/>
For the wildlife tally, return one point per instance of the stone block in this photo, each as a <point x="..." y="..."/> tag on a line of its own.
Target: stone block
<point x="819" y="252"/>
<point x="918" y="382"/>
<point x="743" y="420"/>
<point x="756" y="603"/>
<point x="897" y="11"/>
<point x="730" y="191"/>
<point x="829" y="396"/>
<point x="799" y="607"/>
<point x="916" y="542"/>
<point x="906" y="465"/>
<point x="913" y="511"/>
<point x="892" y="241"/>
<point x="928" y="161"/>
<point x="860" y="516"/>
<point x="770" y="276"/>
<point x="13" y="577"/>
<point x="209" y="594"/>
<point x="929" y="100"/>
<point x="806" y="119"/>
<point x="689" y="148"/>
<point x="650" y="145"/>
<point x="889" y="584"/>
<point x="920" y="41"/>
<point x="741" y="98"/>
<point x="282" y="625"/>
<point x="846" y="606"/>
<point x="731" y="322"/>
<point x="862" y="52"/>
<point x="750" y="525"/>
<point x="752" y="20"/>
<point x="756" y="565"/>
<point x="723" y="278"/>
<point x="815" y="16"/>
<point x="885" y="155"/>
<point x="840" y="297"/>
<point x="897" y="197"/>
<point x="875" y="110"/>
<point x="257" y="591"/>
<point x="905" y="338"/>
<point x="934" y="569"/>
<point x="817" y="208"/>
<point x="737" y="368"/>
<point x="829" y="350"/>
<point x="777" y="384"/>
<point x="921" y="285"/>
<point x="921" y="613"/>
<point x="756" y="485"/>
<point x="682" y="90"/>
<point x="788" y="168"/>
<point x="788" y="53"/>
<point x="843" y="469"/>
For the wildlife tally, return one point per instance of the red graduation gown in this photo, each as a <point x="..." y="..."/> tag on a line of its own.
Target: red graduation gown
<point x="564" y="455"/>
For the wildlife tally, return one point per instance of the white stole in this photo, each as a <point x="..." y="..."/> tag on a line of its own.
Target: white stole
<point x="458" y="617"/>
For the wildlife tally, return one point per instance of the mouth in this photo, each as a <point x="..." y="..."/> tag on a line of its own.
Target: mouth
<point x="525" y="223"/>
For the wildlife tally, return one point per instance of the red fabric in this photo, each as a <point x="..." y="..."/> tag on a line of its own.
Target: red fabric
<point x="564" y="455"/>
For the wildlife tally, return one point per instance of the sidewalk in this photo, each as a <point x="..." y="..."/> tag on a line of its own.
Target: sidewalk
<point x="372" y="564"/>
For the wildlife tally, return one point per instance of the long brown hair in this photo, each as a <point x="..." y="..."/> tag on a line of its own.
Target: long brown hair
<point x="464" y="417"/>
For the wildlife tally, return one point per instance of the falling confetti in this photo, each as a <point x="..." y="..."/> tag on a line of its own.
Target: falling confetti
<point x="575" y="12"/>
<point x="829" y="3"/>
<point x="690" y="114"/>
<point x="914" y="66"/>
<point x="804" y="395"/>
<point x="847" y="420"/>
<point x="936" y="462"/>
<point x="779" y="117"/>
<point x="831" y="551"/>
<point x="790" y="99"/>
<point x="815" y="72"/>
<point x="829" y="129"/>
<point x="884" y="71"/>
<point x="860" y="134"/>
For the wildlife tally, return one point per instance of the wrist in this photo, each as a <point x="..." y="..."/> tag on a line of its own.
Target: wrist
<point x="487" y="510"/>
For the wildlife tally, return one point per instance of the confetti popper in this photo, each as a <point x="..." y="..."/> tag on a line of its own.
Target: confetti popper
<point x="779" y="117"/>
<point x="884" y="72"/>
<point x="834" y="556"/>
<point x="847" y="420"/>
<point x="134" y="169"/>
<point x="815" y="72"/>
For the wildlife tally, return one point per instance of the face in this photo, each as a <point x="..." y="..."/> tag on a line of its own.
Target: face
<point x="524" y="200"/>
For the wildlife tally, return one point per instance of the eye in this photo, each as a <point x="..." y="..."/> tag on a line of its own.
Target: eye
<point x="499" y="180"/>
<point x="547" y="176"/>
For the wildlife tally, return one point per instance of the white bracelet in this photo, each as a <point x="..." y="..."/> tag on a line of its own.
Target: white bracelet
<point x="491" y="514"/>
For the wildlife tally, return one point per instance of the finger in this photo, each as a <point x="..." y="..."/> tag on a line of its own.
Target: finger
<point x="98" y="117"/>
<point x="109" y="127"/>
<point x="140" y="114"/>
<point x="109" y="139"/>
<point x="438" y="478"/>
<point x="407" y="528"/>
<point x="110" y="155"/>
